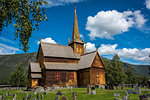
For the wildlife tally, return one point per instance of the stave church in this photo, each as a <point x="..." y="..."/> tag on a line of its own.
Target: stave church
<point x="62" y="65"/>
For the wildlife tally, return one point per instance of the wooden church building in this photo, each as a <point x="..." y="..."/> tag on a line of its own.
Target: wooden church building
<point x="70" y="65"/>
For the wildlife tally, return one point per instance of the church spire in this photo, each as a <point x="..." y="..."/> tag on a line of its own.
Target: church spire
<point x="75" y="35"/>
<point x="76" y="43"/>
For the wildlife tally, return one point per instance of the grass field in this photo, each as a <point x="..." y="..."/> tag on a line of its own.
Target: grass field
<point x="101" y="94"/>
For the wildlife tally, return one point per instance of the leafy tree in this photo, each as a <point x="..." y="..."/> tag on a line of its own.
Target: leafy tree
<point x="114" y="72"/>
<point x="3" y="82"/>
<point x="142" y="80"/>
<point x="130" y="75"/>
<point x="109" y="71"/>
<point x="25" y="16"/>
<point x="116" y="58"/>
<point x="18" y="77"/>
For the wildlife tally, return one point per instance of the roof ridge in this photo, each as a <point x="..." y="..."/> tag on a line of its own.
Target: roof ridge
<point x="58" y="63"/>
<point x="55" y="44"/>
<point x="88" y="53"/>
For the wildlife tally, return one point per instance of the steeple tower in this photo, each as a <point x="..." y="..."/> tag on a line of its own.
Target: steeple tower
<point x="76" y="43"/>
<point x="75" y="35"/>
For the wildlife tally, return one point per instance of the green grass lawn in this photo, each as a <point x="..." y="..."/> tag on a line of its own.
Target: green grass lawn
<point x="101" y="94"/>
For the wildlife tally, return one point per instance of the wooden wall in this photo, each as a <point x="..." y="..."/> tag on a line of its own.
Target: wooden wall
<point x="97" y="62"/>
<point x="29" y="85"/>
<point x="40" y="57"/>
<point x="77" y="47"/>
<point x="60" y="60"/>
<point x="83" y="77"/>
<point x="97" y="76"/>
<point x="64" y="80"/>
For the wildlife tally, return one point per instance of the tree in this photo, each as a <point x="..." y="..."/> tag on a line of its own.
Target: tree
<point x="18" y="77"/>
<point x="114" y="71"/>
<point x="25" y="16"/>
<point x="130" y="75"/>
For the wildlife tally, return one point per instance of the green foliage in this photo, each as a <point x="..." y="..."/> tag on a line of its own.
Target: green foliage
<point x="116" y="57"/>
<point x="18" y="77"/>
<point x="8" y="63"/>
<point x="116" y="75"/>
<point x="114" y="72"/>
<point x="142" y="80"/>
<point x="130" y="75"/>
<point x="26" y="16"/>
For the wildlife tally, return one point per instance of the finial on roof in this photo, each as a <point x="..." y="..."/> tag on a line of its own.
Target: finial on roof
<point x="69" y="40"/>
<point x="75" y="5"/>
<point x="59" y="42"/>
<point x="97" y="47"/>
<point x="85" y="49"/>
<point x="40" y="40"/>
<point x="83" y="39"/>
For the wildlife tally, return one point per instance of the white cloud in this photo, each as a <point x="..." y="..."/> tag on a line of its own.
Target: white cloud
<point x="139" y="19"/>
<point x="90" y="47"/>
<point x="81" y="35"/>
<point x="128" y="53"/>
<point x="48" y="40"/>
<point x="107" y="49"/>
<point x="125" y="53"/>
<point x="60" y="2"/>
<point x="147" y="2"/>
<point x="5" y="49"/>
<point x="110" y="23"/>
<point x="6" y="40"/>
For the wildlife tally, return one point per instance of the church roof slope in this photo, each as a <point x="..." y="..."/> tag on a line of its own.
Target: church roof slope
<point x="55" y="50"/>
<point x="36" y="76"/>
<point x="60" y="66"/>
<point x="35" y="67"/>
<point x="86" y="60"/>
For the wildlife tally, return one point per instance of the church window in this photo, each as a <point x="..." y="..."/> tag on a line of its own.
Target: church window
<point x="97" y="79"/>
<point x="58" y="76"/>
<point x="72" y="76"/>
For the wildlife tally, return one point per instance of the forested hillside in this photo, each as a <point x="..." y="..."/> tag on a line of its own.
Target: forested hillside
<point x="9" y="62"/>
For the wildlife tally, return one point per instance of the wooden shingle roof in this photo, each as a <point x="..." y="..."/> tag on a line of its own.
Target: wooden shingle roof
<point x="36" y="75"/>
<point x="86" y="60"/>
<point x="60" y="66"/>
<point x="35" y="67"/>
<point x="61" y="51"/>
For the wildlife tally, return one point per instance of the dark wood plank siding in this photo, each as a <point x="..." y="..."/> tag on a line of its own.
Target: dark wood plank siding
<point x="64" y="79"/>
<point x="40" y="56"/>
<point x="60" y="60"/>
<point x="83" y="77"/>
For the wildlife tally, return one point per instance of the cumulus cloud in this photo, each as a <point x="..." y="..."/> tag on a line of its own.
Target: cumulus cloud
<point x="147" y="2"/>
<point x="107" y="49"/>
<point x="107" y="24"/>
<point x="5" y="49"/>
<point x="128" y="53"/>
<point x="60" y="2"/>
<point x="139" y="55"/>
<point x="48" y="40"/>
<point x="90" y="47"/>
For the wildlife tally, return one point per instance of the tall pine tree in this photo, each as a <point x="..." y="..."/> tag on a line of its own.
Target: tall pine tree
<point x="130" y="75"/>
<point x="114" y="71"/>
<point x="18" y="77"/>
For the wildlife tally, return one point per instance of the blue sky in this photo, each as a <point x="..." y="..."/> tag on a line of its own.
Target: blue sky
<point x="119" y="26"/>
